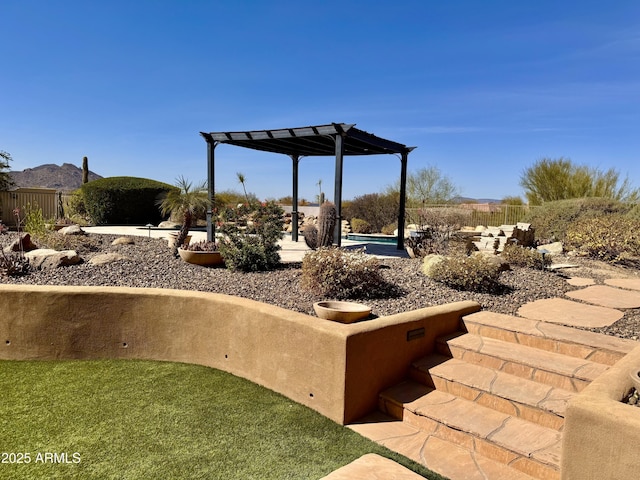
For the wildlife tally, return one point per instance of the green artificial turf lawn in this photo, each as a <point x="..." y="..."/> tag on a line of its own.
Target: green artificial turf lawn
<point x="145" y="419"/>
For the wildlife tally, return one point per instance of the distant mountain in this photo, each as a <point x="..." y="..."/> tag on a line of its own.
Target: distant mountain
<point x="66" y="177"/>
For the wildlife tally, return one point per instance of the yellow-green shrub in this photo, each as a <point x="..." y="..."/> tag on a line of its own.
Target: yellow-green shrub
<point x="610" y="238"/>
<point x="525" y="257"/>
<point x="359" y="225"/>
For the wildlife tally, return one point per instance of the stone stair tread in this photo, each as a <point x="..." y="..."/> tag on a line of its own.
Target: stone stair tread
<point x="516" y="389"/>
<point x="448" y="459"/>
<point x="571" y="367"/>
<point x="551" y="331"/>
<point x="513" y="434"/>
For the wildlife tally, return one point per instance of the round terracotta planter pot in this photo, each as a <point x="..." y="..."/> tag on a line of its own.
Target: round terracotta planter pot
<point x="201" y="258"/>
<point x="343" y="312"/>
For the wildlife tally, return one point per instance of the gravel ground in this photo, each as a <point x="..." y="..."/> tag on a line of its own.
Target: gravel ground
<point x="150" y="264"/>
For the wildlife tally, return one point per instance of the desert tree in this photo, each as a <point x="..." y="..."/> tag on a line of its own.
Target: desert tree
<point x="187" y="201"/>
<point x="426" y="186"/>
<point x="549" y="180"/>
<point x="5" y="178"/>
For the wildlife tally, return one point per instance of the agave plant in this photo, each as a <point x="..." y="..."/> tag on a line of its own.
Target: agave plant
<point x="186" y="200"/>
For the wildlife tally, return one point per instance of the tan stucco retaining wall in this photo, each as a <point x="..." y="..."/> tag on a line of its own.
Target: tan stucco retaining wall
<point x="601" y="438"/>
<point x="338" y="370"/>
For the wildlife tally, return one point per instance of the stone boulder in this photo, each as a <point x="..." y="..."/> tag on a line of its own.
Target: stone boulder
<point x="23" y="243"/>
<point x="123" y="241"/>
<point x="72" y="230"/>
<point x="555" y="248"/>
<point x="168" y="224"/>
<point x="105" y="258"/>
<point x="44" y="258"/>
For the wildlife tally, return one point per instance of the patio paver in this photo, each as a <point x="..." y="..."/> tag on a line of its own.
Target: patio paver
<point x="607" y="296"/>
<point x="581" y="281"/>
<point x="568" y="312"/>
<point x="628" y="283"/>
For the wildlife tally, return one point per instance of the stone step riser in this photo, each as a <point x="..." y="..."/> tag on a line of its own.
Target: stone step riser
<point x="486" y="399"/>
<point x="526" y="412"/>
<point x="471" y="442"/>
<point x="552" y="379"/>
<point x="606" y="357"/>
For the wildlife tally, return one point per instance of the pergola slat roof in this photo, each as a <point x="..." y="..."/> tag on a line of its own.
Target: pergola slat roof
<point x="310" y="141"/>
<point x="335" y="139"/>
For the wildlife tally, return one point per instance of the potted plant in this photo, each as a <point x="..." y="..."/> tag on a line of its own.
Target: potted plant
<point x="203" y="253"/>
<point x="185" y="201"/>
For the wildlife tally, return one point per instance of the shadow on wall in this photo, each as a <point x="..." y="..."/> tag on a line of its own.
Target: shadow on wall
<point x="335" y="369"/>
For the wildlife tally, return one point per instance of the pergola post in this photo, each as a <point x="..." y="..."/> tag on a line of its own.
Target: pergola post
<point x="337" y="195"/>
<point x="403" y="199"/>
<point x="294" y="210"/>
<point x="211" y="227"/>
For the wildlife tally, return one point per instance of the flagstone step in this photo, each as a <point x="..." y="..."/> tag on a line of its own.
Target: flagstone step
<point x="532" y="401"/>
<point x="555" y="338"/>
<point x="549" y="368"/>
<point x="449" y="459"/>
<point x="522" y="445"/>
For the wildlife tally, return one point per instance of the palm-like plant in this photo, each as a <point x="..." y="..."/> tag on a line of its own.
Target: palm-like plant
<point x="186" y="201"/>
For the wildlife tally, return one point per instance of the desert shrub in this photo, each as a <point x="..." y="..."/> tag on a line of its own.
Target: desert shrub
<point x="525" y="257"/>
<point x="124" y="200"/>
<point x="13" y="264"/>
<point x="79" y="243"/>
<point x="437" y="227"/>
<point x="611" y="238"/>
<point x="251" y="238"/>
<point x="634" y="212"/>
<point x="248" y="254"/>
<point x="337" y="273"/>
<point x="34" y="220"/>
<point x="76" y="209"/>
<point x="389" y="229"/>
<point x="378" y="210"/>
<point x="359" y="225"/>
<point x="429" y="261"/>
<point x="475" y="273"/>
<point x="552" y="219"/>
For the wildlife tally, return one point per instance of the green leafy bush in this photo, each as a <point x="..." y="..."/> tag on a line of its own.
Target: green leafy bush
<point x="124" y="200"/>
<point x="552" y="219"/>
<point x="475" y="273"/>
<point x="251" y="237"/>
<point x="337" y="273"/>
<point x="612" y="238"/>
<point x="525" y="257"/>
<point x="34" y="220"/>
<point x="359" y="225"/>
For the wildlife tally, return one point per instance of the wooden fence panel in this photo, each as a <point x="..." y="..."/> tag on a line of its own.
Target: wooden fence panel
<point x="22" y="198"/>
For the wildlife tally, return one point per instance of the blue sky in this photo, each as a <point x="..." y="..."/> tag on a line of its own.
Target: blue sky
<point x="482" y="89"/>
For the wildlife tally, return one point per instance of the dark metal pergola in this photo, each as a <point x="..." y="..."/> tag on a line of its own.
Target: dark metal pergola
<point x="336" y="139"/>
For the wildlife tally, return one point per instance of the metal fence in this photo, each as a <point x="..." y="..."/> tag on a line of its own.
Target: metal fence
<point x="48" y="199"/>
<point x="487" y="214"/>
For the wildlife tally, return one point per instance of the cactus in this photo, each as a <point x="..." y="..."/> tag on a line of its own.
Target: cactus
<point x="311" y="236"/>
<point x="323" y="235"/>
<point x="85" y="170"/>
<point x="326" y="224"/>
